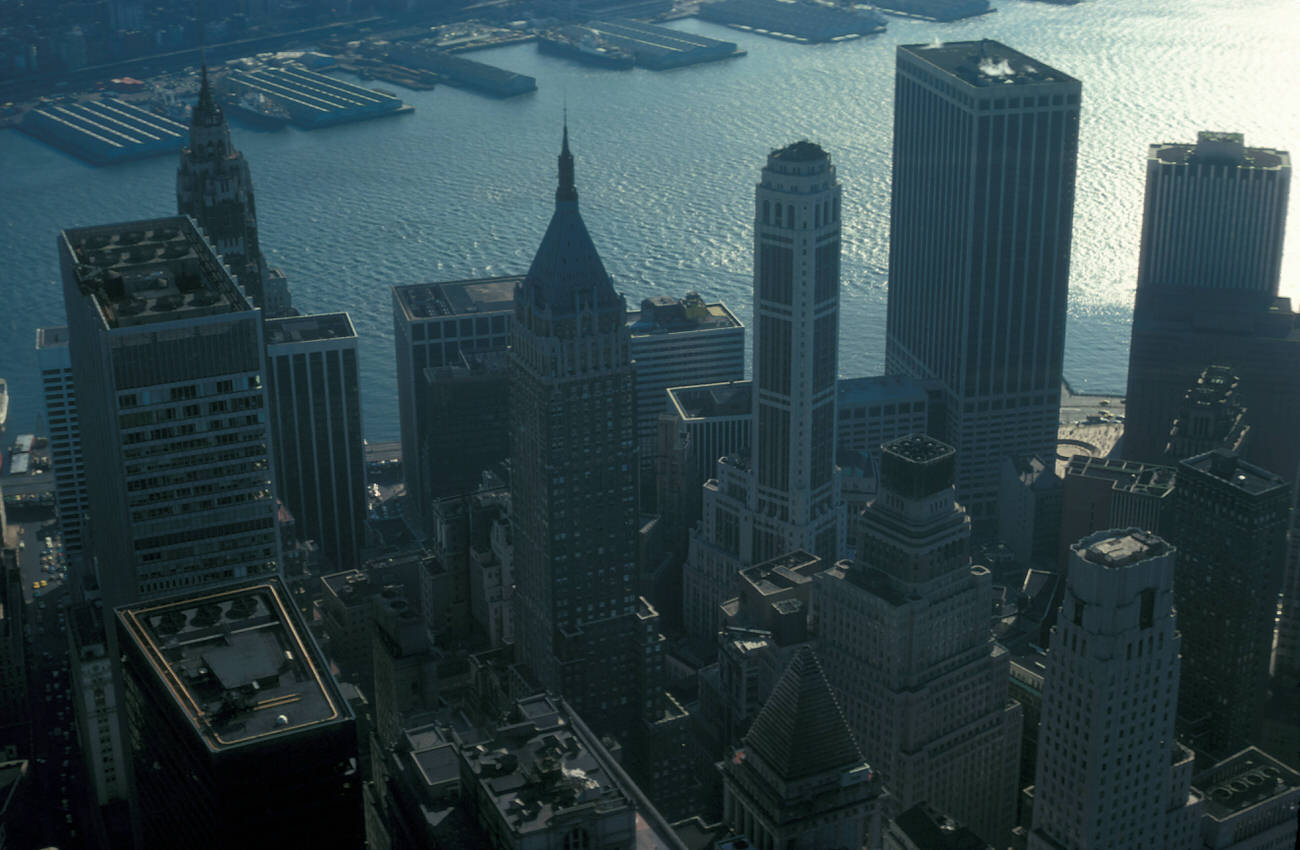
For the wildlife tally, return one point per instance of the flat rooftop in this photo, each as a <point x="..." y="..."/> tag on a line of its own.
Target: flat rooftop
<point x="313" y="328"/>
<point x="986" y="63"/>
<point x="706" y="401"/>
<point x="1242" y="476"/>
<point x="457" y="297"/>
<point x="782" y="572"/>
<point x="236" y="664"/>
<point x="1125" y="549"/>
<point x="1211" y="148"/>
<point x="661" y="314"/>
<point x="918" y="448"/>
<point x="1126" y="476"/>
<point x="1244" y="780"/>
<point x="52" y="337"/>
<point x="146" y="272"/>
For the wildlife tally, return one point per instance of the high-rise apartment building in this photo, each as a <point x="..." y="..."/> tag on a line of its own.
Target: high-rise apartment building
<point x="573" y="455"/>
<point x="1210" y="417"/>
<point x="784" y="495"/>
<point x="1229" y="523"/>
<point x="1110" y="773"/>
<point x="240" y="735"/>
<point x="315" y="406"/>
<point x="1207" y="292"/>
<point x="433" y="323"/>
<point x="60" y="396"/>
<point x="1214" y="216"/>
<point x="213" y="185"/>
<point x="904" y="634"/>
<point x="985" y="144"/>
<point x="675" y="343"/>
<point x="168" y="360"/>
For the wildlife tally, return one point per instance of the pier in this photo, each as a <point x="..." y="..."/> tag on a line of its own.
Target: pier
<point x="459" y="71"/>
<point x="314" y="100"/>
<point x="104" y="130"/>
<point x="659" y="48"/>
<point x="806" y="22"/>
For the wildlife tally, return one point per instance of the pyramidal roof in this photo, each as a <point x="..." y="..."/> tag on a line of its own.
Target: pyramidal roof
<point x="567" y="269"/>
<point x="800" y="730"/>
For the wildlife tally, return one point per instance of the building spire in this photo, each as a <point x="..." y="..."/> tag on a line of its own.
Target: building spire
<point x="566" y="191"/>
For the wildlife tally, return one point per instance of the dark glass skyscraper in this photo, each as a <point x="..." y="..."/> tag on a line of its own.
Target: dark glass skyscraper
<point x="573" y="472"/>
<point x="214" y="186"/>
<point x="985" y="143"/>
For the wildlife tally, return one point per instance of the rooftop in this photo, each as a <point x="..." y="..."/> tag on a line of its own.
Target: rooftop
<point x="52" y="337"/>
<point x="1240" y="475"/>
<point x="704" y="401"/>
<point x="801" y="151"/>
<point x="1212" y="148"/>
<point x="986" y="63"/>
<point x="1125" y="549"/>
<point x="1127" y="476"/>
<point x="929" y="829"/>
<point x="236" y="664"/>
<point x="782" y="572"/>
<point x="457" y="297"/>
<point x="664" y="314"/>
<point x="1244" y="780"/>
<point x="158" y="270"/>
<point x="919" y="448"/>
<point x="313" y="328"/>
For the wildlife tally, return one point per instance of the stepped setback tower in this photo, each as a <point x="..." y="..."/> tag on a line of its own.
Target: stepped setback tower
<point x="904" y="635"/>
<point x="213" y="184"/>
<point x="783" y="493"/>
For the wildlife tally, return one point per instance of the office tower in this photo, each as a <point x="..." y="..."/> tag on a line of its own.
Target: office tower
<point x="904" y="633"/>
<point x="168" y="361"/>
<point x="799" y="778"/>
<point x="1210" y="417"/>
<point x="97" y="704"/>
<point x="433" y="323"/>
<point x="15" y="714"/>
<point x="1110" y="773"/>
<point x="465" y="420"/>
<point x="1212" y="233"/>
<point x="985" y="142"/>
<point x="714" y="418"/>
<point x="923" y="827"/>
<point x="573" y="459"/>
<point x="676" y="343"/>
<point x="315" y="400"/>
<point x="1100" y="493"/>
<point x="1229" y="523"/>
<point x="405" y="670"/>
<point x="1029" y="509"/>
<point x="60" y="394"/>
<point x="1250" y="803"/>
<point x="784" y="495"/>
<point x="213" y="185"/>
<point x="875" y="410"/>
<point x="1286" y="663"/>
<point x="239" y="733"/>
<point x="1214" y="216"/>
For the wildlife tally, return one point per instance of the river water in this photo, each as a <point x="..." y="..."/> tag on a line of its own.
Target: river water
<point x="666" y="163"/>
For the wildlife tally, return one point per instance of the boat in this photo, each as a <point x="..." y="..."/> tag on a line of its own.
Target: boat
<point x="586" y="47"/>
<point x="4" y="401"/>
<point x="258" y="110"/>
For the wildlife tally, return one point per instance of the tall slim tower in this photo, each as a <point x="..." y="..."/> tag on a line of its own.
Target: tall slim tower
<point x="214" y="186"/>
<point x="783" y="494"/>
<point x="60" y="392"/>
<point x="904" y="634"/>
<point x="1110" y="773"/>
<point x="985" y="143"/>
<point x="573" y="472"/>
<point x="168" y="361"/>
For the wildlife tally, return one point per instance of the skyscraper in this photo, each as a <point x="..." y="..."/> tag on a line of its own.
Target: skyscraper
<point x="214" y="186"/>
<point x="784" y="494"/>
<point x="65" y="434"/>
<point x="573" y="473"/>
<point x="1110" y="773"/>
<point x="1229" y="522"/>
<point x="904" y="634"/>
<point x="985" y="143"/>
<point x="315" y="400"/>
<point x="168" y="361"/>
<point x="1207" y="292"/>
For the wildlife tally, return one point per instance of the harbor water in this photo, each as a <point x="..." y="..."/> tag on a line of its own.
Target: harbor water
<point x="666" y="164"/>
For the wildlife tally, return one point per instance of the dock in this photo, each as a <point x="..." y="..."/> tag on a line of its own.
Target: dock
<point x="793" y="21"/>
<point x="462" y="72"/>
<point x="659" y="48"/>
<point x="104" y="130"/>
<point x="314" y="100"/>
<point x="934" y="10"/>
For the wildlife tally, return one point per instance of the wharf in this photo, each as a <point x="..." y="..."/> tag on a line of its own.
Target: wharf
<point x="458" y="71"/>
<point x="314" y="100"/>
<point x="660" y="48"/>
<point x="793" y="21"/>
<point x="104" y="130"/>
<point x="934" y="10"/>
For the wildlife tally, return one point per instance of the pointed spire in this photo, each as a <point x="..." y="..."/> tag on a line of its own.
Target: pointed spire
<point x="566" y="191"/>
